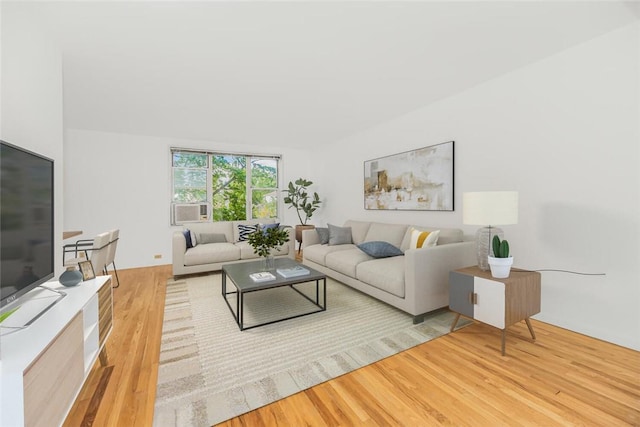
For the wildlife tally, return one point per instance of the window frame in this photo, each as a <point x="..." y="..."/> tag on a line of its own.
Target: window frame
<point x="249" y="189"/>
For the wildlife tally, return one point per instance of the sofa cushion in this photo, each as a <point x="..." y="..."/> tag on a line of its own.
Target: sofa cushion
<point x="392" y="233"/>
<point x="244" y="230"/>
<point x="358" y="230"/>
<point x="224" y="227"/>
<point x="190" y="238"/>
<point x="318" y="253"/>
<point x="323" y="235"/>
<point x="379" y="249"/>
<point x="446" y="236"/>
<point x="211" y="253"/>
<point x="251" y="222"/>
<point x="339" y="235"/>
<point x="345" y="262"/>
<point x="423" y="239"/>
<point x="265" y="227"/>
<point x="386" y="274"/>
<point x="204" y="238"/>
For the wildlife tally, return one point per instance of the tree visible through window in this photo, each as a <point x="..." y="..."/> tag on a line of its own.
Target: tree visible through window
<point x="236" y="187"/>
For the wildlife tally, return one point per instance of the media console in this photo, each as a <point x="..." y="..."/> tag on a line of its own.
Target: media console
<point x="43" y="367"/>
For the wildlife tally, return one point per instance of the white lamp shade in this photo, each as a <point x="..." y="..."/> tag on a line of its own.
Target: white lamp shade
<point x="490" y="208"/>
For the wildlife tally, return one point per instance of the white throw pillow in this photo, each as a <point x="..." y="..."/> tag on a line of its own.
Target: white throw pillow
<point x="423" y="239"/>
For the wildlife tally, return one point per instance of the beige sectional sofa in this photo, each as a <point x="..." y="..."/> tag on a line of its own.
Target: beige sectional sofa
<point x="415" y="282"/>
<point x="218" y="243"/>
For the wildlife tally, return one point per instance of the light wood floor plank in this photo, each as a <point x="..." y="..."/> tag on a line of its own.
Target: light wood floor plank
<point x="562" y="378"/>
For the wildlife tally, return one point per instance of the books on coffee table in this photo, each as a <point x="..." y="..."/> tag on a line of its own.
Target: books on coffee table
<point x="292" y="271"/>
<point x="263" y="276"/>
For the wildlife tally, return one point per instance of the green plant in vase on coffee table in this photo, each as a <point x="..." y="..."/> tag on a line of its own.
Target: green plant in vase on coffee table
<point x="264" y="240"/>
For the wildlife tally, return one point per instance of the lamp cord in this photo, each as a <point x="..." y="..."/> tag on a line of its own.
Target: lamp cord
<point x="560" y="271"/>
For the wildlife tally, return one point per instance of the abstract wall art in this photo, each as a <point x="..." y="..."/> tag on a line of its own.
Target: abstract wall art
<point x="419" y="180"/>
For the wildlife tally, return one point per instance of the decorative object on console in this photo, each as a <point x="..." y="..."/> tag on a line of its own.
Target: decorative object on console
<point x="87" y="270"/>
<point x="501" y="262"/>
<point x="71" y="277"/>
<point x="489" y="208"/>
<point x="421" y="179"/>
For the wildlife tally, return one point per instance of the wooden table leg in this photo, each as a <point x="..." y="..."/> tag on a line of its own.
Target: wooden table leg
<point x="455" y="322"/>
<point x="533" y="335"/>
<point x="504" y="337"/>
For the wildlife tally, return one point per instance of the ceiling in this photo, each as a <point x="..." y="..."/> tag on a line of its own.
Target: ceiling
<point x="294" y="74"/>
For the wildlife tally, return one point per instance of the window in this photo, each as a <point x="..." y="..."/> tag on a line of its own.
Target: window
<point x="225" y="186"/>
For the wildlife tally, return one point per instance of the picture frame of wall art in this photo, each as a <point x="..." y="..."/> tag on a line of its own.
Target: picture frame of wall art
<point x="416" y="180"/>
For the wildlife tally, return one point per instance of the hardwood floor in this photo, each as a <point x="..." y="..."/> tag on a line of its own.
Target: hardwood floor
<point x="562" y="378"/>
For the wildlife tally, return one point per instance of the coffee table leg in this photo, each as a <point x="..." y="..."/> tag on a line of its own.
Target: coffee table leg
<point x="224" y="283"/>
<point x="240" y="310"/>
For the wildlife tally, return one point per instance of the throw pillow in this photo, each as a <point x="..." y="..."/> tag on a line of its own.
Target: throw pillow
<point x="212" y="238"/>
<point x="339" y="235"/>
<point x="244" y="230"/>
<point x="265" y="227"/>
<point x="379" y="249"/>
<point x="189" y="237"/>
<point x="323" y="234"/>
<point x="423" y="239"/>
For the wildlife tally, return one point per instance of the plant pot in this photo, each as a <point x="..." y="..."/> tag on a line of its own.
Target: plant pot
<point x="500" y="267"/>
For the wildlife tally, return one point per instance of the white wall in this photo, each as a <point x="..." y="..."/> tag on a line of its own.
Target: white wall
<point x="31" y="96"/>
<point x="124" y="181"/>
<point x="565" y="133"/>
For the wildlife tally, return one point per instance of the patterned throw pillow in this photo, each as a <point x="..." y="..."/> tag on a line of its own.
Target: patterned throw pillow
<point x="244" y="230"/>
<point x="423" y="239"/>
<point x="379" y="249"/>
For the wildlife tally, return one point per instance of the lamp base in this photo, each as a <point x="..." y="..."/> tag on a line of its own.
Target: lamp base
<point x="483" y="245"/>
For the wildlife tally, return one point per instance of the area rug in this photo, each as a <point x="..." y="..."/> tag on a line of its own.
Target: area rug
<point x="210" y="371"/>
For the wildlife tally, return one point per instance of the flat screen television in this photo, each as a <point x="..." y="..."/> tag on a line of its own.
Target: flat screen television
<point x="26" y="221"/>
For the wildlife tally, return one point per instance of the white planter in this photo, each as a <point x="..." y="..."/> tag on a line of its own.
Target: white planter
<point x="500" y="267"/>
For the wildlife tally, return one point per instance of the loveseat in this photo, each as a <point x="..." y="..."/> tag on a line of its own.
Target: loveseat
<point x="218" y="243"/>
<point x="415" y="280"/>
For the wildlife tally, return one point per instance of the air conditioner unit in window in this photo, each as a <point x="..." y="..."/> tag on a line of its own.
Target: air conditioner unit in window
<point x="190" y="212"/>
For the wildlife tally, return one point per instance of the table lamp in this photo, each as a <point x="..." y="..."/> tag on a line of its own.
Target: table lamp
<point x="489" y="208"/>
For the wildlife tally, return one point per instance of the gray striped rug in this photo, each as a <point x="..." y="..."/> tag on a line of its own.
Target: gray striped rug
<point x="210" y="371"/>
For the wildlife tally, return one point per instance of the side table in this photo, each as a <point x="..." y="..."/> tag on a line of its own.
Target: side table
<point x="474" y="293"/>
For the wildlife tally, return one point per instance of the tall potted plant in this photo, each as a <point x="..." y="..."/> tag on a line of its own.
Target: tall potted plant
<point x="299" y="198"/>
<point x="501" y="262"/>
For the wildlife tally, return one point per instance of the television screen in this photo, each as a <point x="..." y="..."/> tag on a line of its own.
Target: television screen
<point x="26" y="221"/>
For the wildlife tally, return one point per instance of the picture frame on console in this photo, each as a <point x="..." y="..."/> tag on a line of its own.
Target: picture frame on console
<point x="86" y="268"/>
<point x="416" y="180"/>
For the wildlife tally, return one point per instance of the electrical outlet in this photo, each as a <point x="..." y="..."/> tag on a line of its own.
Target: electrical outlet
<point x="157" y="256"/>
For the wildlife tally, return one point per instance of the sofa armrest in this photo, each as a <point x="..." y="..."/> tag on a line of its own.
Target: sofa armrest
<point x="291" y="243"/>
<point x="309" y="237"/>
<point x="179" y="247"/>
<point x="427" y="273"/>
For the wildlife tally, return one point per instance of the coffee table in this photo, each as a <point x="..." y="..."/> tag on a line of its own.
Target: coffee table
<point x="239" y="276"/>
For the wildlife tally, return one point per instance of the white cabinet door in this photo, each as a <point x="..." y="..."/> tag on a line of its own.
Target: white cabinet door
<point x="489" y="307"/>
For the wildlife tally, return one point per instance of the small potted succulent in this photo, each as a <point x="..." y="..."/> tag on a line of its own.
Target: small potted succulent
<point x="298" y="197"/>
<point x="501" y="262"/>
<point x="265" y="240"/>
